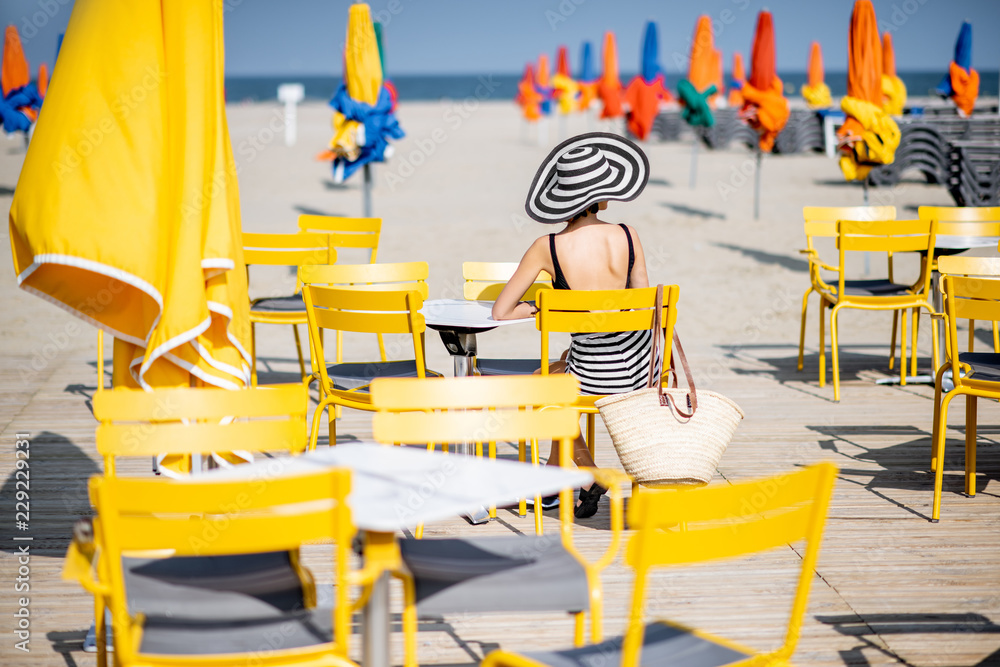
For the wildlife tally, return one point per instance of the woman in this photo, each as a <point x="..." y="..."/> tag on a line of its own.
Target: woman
<point x="575" y="182"/>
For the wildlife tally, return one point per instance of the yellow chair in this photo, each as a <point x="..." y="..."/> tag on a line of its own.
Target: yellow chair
<point x="374" y="308"/>
<point x="890" y="237"/>
<point x="221" y="520"/>
<point x="482" y="574"/>
<point x="971" y="288"/>
<point x="602" y="311"/>
<point x="283" y="250"/>
<point x="483" y="282"/>
<point x="821" y="222"/>
<point x="188" y="421"/>
<point x="723" y="522"/>
<point x="345" y="233"/>
<point x="389" y="276"/>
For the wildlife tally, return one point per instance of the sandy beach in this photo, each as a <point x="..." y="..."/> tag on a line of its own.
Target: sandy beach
<point x="454" y="191"/>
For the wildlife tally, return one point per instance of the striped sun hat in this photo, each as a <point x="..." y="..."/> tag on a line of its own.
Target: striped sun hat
<point x="585" y="170"/>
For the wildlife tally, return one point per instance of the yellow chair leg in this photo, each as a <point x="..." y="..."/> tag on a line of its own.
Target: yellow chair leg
<point x="298" y="350"/>
<point x="591" y="434"/>
<point x="892" y="341"/>
<point x="902" y="351"/>
<point x="538" y="498"/>
<point x="935" y="354"/>
<point x="936" y="424"/>
<point x="802" y="327"/>
<point x="101" y="632"/>
<point x="822" y="343"/>
<point x="971" y="419"/>
<point x="332" y="424"/>
<point x="522" y="506"/>
<point x="915" y="325"/>
<point x="253" y="355"/>
<point x="836" y="353"/>
<point x="939" y="455"/>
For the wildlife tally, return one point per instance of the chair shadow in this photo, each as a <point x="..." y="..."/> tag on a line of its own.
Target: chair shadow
<point x="6" y="191"/>
<point x="906" y="465"/>
<point x="877" y="625"/>
<point x="694" y="212"/>
<point x="660" y="181"/>
<point x="58" y="471"/>
<point x="330" y="185"/>
<point x="431" y="624"/>
<point x="67" y="642"/>
<point x="764" y="257"/>
<point x="306" y="210"/>
<point x="785" y="369"/>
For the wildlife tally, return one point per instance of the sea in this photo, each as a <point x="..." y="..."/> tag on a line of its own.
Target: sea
<point x="424" y="88"/>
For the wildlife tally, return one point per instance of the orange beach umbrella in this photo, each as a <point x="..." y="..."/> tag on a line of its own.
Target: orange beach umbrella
<point x="816" y="93"/>
<point x="893" y="88"/>
<point x="609" y="87"/>
<point x="43" y="79"/>
<point x="528" y="96"/>
<point x="739" y="78"/>
<point x="14" y="72"/>
<point x="703" y="69"/>
<point x="764" y="105"/>
<point x="869" y="136"/>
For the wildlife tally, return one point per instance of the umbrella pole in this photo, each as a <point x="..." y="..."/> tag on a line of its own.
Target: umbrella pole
<point x="864" y="186"/>
<point x="756" y="187"/>
<point x="366" y="191"/>
<point x="694" y="162"/>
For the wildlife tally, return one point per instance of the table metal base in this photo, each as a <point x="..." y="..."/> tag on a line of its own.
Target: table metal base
<point x="375" y="620"/>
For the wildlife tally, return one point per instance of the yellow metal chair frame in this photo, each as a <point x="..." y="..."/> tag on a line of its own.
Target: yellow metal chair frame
<point x="971" y="289"/>
<point x="724" y="522"/>
<point x="485" y="280"/>
<point x="159" y="514"/>
<point x="600" y="311"/>
<point x="361" y="309"/>
<point x="187" y="420"/>
<point x="821" y="222"/>
<point x="363" y="233"/>
<point x="880" y="236"/>
<point x="389" y="276"/>
<point x="491" y="409"/>
<point x="283" y="250"/>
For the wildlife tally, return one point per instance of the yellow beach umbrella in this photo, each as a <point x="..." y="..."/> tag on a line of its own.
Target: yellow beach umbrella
<point x="126" y="213"/>
<point x="362" y="78"/>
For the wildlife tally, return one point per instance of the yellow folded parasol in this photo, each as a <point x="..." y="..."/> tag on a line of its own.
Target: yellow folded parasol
<point x="126" y="213"/>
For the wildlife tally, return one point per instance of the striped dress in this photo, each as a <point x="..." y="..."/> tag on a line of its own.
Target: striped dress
<point x="606" y="363"/>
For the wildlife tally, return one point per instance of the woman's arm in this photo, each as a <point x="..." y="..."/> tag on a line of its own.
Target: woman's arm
<point x="638" y="277"/>
<point x="508" y="305"/>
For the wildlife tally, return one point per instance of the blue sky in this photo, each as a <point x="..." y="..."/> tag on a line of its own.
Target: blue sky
<point x="270" y="37"/>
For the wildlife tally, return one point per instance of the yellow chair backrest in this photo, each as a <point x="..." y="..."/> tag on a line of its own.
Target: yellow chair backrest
<point x="396" y="276"/>
<point x="191" y="420"/>
<point x="485" y="280"/>
<point x="479" y="409"/>
<point x="287" y="249"/>
<point x="597" y="311"/>
<point x="204" y="518"/>
<point x="345" y="232"/>
<point x="821" y="221"/>
<point x="971" y="290"/>
<point x="723" y="522"/>
<point x="963" y="220"/>
<point x="890" y="237"/>
<point x="364" y="311"/>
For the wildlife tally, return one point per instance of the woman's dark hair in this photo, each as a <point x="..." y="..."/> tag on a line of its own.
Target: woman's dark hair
<point x="593" y="208"/>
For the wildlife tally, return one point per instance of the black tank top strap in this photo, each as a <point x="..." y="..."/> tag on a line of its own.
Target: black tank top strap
<point x="631" y="255"/>
<point x="558" y="280"/>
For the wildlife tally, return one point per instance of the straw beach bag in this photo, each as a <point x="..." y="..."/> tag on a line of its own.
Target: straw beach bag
<point x="673" y="436"/>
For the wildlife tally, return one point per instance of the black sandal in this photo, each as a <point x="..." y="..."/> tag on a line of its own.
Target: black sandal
<point x="588" y="501"/>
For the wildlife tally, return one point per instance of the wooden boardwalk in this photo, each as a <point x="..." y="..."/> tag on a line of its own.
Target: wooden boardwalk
<point x="891" y="588"/>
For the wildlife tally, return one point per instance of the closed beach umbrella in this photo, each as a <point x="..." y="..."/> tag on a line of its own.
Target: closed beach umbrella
<point x="764" y="105"/>
<point x="564" y="87"/>
<point x="20" y="101"/>
<point x="528" y="97"/>
<point x="363" y="121"/>
<point x="43" y="80"/>
<point x="587" y="79"/>
<point x="648" y="88"/>
<point x="609" y="87"/>
<point x="739" y="77"/>
<point x="893" y="88"/>
<point x="961" y="83"/>
<point x="543" y="82"/>
<point x="705" y="60"/>
<point x="816" y="93"/>
<point x="869" y="136"/>
<point x="126" y="213"/>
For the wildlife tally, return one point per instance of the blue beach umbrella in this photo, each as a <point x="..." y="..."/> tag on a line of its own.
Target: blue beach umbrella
<point x="963" y="58"/>
<point x="587" y="71"/>
<point x="650" y="54"/>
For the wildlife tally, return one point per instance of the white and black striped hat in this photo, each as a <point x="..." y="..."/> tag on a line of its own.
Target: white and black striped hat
<point x="584" y="170"/>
